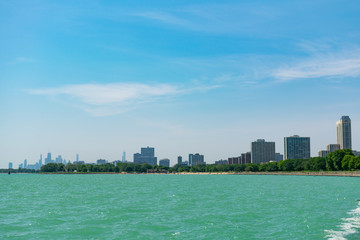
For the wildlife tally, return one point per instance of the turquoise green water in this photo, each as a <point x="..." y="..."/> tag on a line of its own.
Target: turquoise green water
<point x="178" y="207"/>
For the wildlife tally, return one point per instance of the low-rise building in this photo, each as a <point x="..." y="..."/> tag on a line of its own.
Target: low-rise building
<point x="221" y="162"/>
<point x="164" y="162"/>
<point x="323" y="153"/>
<point x="234" y="160"/>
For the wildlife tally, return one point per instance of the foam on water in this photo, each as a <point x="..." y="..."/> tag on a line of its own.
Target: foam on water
<point x="348" y="226"/>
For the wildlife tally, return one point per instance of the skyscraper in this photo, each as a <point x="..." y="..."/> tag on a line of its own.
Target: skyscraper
<point x="48" y="158"/>
<point x="179" y="160"/>
<point x="343" y="127"/>
<point x="10" y="165"/>
<point x="147" y="152"/>
<point x="123" y="159"/>
<point x="262" y="151"/>
<point x="296" y="147"/>
<point x="196" y="159"/>
<point x="147" y="155"/>
<point x="137" y="157"/>
<point x="25" y="163"/>
<point x="59" y="159"/>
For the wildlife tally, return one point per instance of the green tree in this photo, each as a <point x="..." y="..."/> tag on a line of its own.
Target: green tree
<point x="270" y="167"/>
<point x="346" y="161"/>
<point x="239" y="168"/>
<point x="60" y="167"/>
<point x="334" y="159"/>
<point x="299" y="164"/>
<point x="354" y="163"/>
<point x="50" y="167"/>
<point x="316" y="164"/>
<point x="286" y="165"/>
<point x="252" y="167"/>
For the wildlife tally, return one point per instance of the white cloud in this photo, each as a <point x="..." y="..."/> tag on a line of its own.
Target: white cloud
<point x="24" y="60"/>
<point x="340" y="65"/>
<point x="104" y="94"/>
<point x="215" y="18"/>
<point x="113" y="98"/>
<point x="161" y="16"/>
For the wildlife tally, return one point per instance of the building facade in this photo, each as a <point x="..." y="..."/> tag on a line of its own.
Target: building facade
<point x="296" y="147"/>
<point x="262" y="151"/>
<point x="333" y="147"/>
<point x="323" y="153"/>
<point x="343" y="129"/>
<point x="234" y="160"/>
<point x="164" y="162"/>
<point x="179" y="160"/>
<point x="221" y="162"/>
<point x="279" y="157"/>
<point x="101" y="161"/>
<point x="147" y="155"/>
<point x="196" y="159"/>
<point x="246" y="158"/>
<point x="48" y="158"/>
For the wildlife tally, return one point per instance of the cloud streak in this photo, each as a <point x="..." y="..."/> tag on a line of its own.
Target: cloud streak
<point x="113" y="98"/>
<point x="330" y="66"/>
<point x="214" y="18"/>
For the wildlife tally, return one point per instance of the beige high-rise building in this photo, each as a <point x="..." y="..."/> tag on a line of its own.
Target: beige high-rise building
<point x="343" y="127"/>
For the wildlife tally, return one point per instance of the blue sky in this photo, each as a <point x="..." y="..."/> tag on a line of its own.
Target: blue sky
<point x="99" y="78"/>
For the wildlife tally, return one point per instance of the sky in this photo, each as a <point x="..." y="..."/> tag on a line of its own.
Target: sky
<point x="99" y="78"/>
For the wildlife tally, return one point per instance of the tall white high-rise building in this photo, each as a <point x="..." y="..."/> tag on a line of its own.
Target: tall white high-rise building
<point x="343" y="127"/>
<point x="123" y="159"/>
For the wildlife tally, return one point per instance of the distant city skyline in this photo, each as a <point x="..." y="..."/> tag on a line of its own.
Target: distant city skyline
<point x="100" y="78"/>
<point x="295" y="147"/>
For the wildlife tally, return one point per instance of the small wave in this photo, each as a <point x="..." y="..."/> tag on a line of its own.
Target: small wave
<point x="349" y="226"/>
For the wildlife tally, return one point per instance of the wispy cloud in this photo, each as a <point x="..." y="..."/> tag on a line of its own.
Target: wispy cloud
<point x="162" y="17"/>
<point x="214" y="18"/>
<point x="113" y="98"/>
<point x="24" y="60"/>
<point x="338" y="65"/>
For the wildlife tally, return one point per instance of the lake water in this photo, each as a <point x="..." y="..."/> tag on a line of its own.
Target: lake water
<point x="36" y="206"/>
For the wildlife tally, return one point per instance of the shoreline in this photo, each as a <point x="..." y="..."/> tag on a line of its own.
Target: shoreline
<point x="324" y="173"/>
<point x="335" y="174"/>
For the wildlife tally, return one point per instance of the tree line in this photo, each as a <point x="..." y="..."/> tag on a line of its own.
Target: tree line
<point x="20" y="170"/>
<point x="336" y="161"/>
